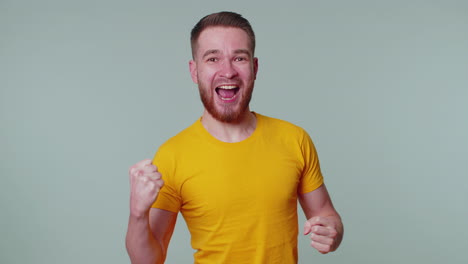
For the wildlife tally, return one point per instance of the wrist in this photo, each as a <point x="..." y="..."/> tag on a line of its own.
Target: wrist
<point x="139" y="215"/>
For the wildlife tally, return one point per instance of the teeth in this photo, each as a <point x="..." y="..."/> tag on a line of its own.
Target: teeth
<point x="228" y="87"/>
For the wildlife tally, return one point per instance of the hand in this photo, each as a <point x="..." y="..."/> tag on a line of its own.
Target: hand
<point x="323" y="233"/>
<point x="145" y="183"/>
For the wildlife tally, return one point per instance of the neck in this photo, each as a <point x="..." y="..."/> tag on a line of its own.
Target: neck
<point x="230" y="132"/>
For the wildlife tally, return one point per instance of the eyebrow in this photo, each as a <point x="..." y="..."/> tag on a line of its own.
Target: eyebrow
<point x="242" y="51"/>
<point x="211" y="51"/>
<point x="215" y="51"/>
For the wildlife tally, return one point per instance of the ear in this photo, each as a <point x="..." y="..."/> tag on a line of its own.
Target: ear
<point x="255" y="65"/>
<point x="193" y="71"/>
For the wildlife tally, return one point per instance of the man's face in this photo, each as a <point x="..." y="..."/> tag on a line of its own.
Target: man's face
<point x="225" y="70"/>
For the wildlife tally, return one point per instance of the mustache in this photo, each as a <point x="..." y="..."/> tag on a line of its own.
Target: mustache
<point x="222" y="81"/>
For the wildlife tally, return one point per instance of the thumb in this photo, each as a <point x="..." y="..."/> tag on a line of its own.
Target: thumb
<point x="307" y="227"/>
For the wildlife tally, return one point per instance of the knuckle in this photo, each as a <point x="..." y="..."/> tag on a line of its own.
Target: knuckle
<point x="161" y="182"/>
<point x="151" y="185"/>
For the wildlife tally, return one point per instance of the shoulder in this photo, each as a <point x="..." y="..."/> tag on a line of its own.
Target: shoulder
<point x="183" y="139"/>
<point x="281" y="126"/>
<point x="278" y="130"/>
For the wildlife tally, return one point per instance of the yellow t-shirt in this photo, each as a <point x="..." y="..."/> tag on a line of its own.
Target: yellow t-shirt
<point x="239" y="200"/>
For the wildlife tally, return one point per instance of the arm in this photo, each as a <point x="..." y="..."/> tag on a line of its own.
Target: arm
<point x="149" y="229"/>
<point x="148" y="236"/>
<point x="324" y="222"/>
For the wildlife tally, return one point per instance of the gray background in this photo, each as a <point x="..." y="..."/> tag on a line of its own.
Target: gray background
<point x="90" y="87"/>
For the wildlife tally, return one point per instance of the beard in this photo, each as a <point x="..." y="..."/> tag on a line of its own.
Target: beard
<point x="227" y="113"/>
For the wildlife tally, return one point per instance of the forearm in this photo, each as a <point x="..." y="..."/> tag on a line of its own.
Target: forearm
<point x="142" y="246"/>
<point x="322" y="220"/>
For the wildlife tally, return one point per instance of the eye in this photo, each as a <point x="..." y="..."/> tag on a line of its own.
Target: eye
<point x="212" y="60"/>
<point x="240" y="59"/>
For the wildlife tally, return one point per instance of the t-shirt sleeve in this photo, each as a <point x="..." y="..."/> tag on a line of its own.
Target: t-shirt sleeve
<point x="311" y="177"/>
<point x="169" y="196"/>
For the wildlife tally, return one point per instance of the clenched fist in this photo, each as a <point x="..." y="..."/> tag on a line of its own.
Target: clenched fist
<point x="323" y="234"/>
<point x="145" y="183"/>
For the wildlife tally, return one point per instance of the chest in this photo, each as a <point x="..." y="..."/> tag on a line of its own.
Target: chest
<point x="252" y="181"/>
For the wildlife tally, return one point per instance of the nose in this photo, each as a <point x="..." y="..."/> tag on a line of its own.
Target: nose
<point x="228" y="70"/>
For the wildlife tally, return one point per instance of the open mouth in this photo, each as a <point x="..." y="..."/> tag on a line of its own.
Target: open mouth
<point x="227" y="92"/>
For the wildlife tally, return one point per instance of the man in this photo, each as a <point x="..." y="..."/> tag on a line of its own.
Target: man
<point x="235" y="175"/>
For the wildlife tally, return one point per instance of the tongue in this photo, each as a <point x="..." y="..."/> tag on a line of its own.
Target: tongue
<point x="226" y="93"/>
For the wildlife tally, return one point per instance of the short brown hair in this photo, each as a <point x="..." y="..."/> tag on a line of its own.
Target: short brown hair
<point x="223" y="19"/>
